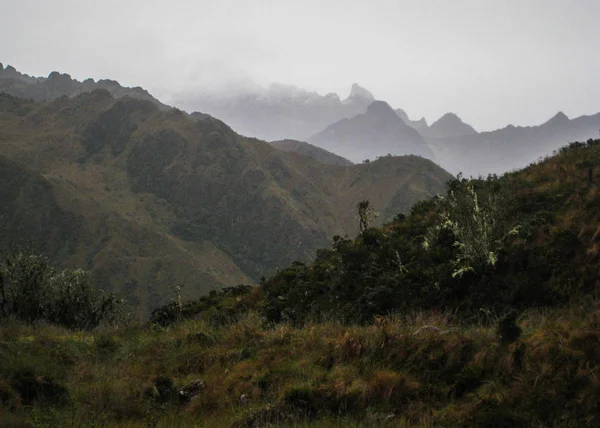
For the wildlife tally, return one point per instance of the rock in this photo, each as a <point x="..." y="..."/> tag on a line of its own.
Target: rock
<point x="191" y="390"/>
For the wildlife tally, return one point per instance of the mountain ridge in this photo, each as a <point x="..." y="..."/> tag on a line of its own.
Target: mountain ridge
<point x="377" y="131"/>
<point x="165" y="199"/>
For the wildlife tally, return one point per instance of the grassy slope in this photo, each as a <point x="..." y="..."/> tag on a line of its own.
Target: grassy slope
<point x="322" y="375"/>
<point x="309" y="150"/>
<point x="163" y="199"/>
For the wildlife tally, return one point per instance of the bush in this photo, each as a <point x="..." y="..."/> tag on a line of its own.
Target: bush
<point x="32" y="290"/>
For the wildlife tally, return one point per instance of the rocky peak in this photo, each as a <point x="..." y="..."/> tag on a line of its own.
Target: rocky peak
<point x="358" y="92"/>
<point x="558" y="119"/>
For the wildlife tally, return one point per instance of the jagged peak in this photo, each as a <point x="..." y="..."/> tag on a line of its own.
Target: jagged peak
<point x="358" y="91"/>
<point x="559" y="117"/>
<point x="402" y="114"/>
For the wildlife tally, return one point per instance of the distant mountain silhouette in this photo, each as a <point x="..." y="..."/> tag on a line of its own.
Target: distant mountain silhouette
<point x="513" y="146"/>
<point x="449" y="125"/>
<point x="377" y="132"/>
<point x="280" y="111"/>
<point x="419" y="125"/>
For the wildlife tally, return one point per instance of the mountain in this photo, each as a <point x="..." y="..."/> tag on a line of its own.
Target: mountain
<point x="57" y="85"/>
<point x="305" y="149"/>
<point x="449" y="125"/>
<point x="419" y="125"/>
<point x="279" y="111"/>
<point x="148" y="199"/>
<point x="377" y="132"/>
<point x="511" y="147"/>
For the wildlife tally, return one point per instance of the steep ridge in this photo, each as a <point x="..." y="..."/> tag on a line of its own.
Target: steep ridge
<point x="58" y="84"/>
<point x="162" y="199"/>
<point x="377" y="132"/>
<point x="305" y="149"/>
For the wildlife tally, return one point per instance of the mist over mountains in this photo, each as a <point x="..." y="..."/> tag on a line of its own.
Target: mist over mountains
<point x="279" y="111"/>
<point x="147" y="197"/>
<point x="356" y="128"/>
<point x="377" y="131"/>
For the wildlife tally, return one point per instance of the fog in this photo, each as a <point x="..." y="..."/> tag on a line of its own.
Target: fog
<point x="492" y="63"/>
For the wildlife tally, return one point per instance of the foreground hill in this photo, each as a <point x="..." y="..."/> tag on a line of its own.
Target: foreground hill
<point x="389" y="374"/>
<point x="160" y="199"/>
<point x="377" y="132"/>
<point x="495" y="322"/>
<point x="309" y="150"/>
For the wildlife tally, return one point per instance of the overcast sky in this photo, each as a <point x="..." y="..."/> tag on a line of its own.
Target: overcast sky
<point x="493" y="62"/>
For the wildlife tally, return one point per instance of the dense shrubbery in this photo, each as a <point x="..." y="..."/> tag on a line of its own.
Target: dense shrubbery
<point x="32" y="290"/>
<point x="492" y="244"/>
<point x="219" y="307"/>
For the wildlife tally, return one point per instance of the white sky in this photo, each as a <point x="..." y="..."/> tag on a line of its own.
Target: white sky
<point x="493" y="62"/>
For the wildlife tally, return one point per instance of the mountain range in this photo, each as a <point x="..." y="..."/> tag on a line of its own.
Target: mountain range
<point x="377" y="131"/>
<point x="147" y="196"/>
<point x="150" y="198"/>
<point x="287" y="112"/>
<point x="58" y="84"/>
<point x="280" y="111"/>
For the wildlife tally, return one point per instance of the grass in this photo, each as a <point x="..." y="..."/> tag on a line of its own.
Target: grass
<point x="323" y="374"/>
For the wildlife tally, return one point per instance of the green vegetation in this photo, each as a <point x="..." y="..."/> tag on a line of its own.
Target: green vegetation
<point x="145" y="199"/>
<point x="31" y="290"/>
<point x="524" y="240"/>
<point x="479" y="308"/>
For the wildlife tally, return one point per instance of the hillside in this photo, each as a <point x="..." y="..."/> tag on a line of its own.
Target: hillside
<point x="377" y="132"/>
<point x="381" y="330"/>
<point x="161" y="199"/>
<point x="527" y="239"/>
<point x="311" y="151"/>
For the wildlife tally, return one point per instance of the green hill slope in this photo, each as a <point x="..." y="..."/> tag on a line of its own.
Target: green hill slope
<point x="162" y="199"/>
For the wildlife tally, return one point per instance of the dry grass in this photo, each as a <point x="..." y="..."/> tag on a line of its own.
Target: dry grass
<point x="320" y="375"/>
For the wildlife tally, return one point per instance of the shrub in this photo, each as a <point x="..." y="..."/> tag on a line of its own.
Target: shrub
<point x="32" y="290"/>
